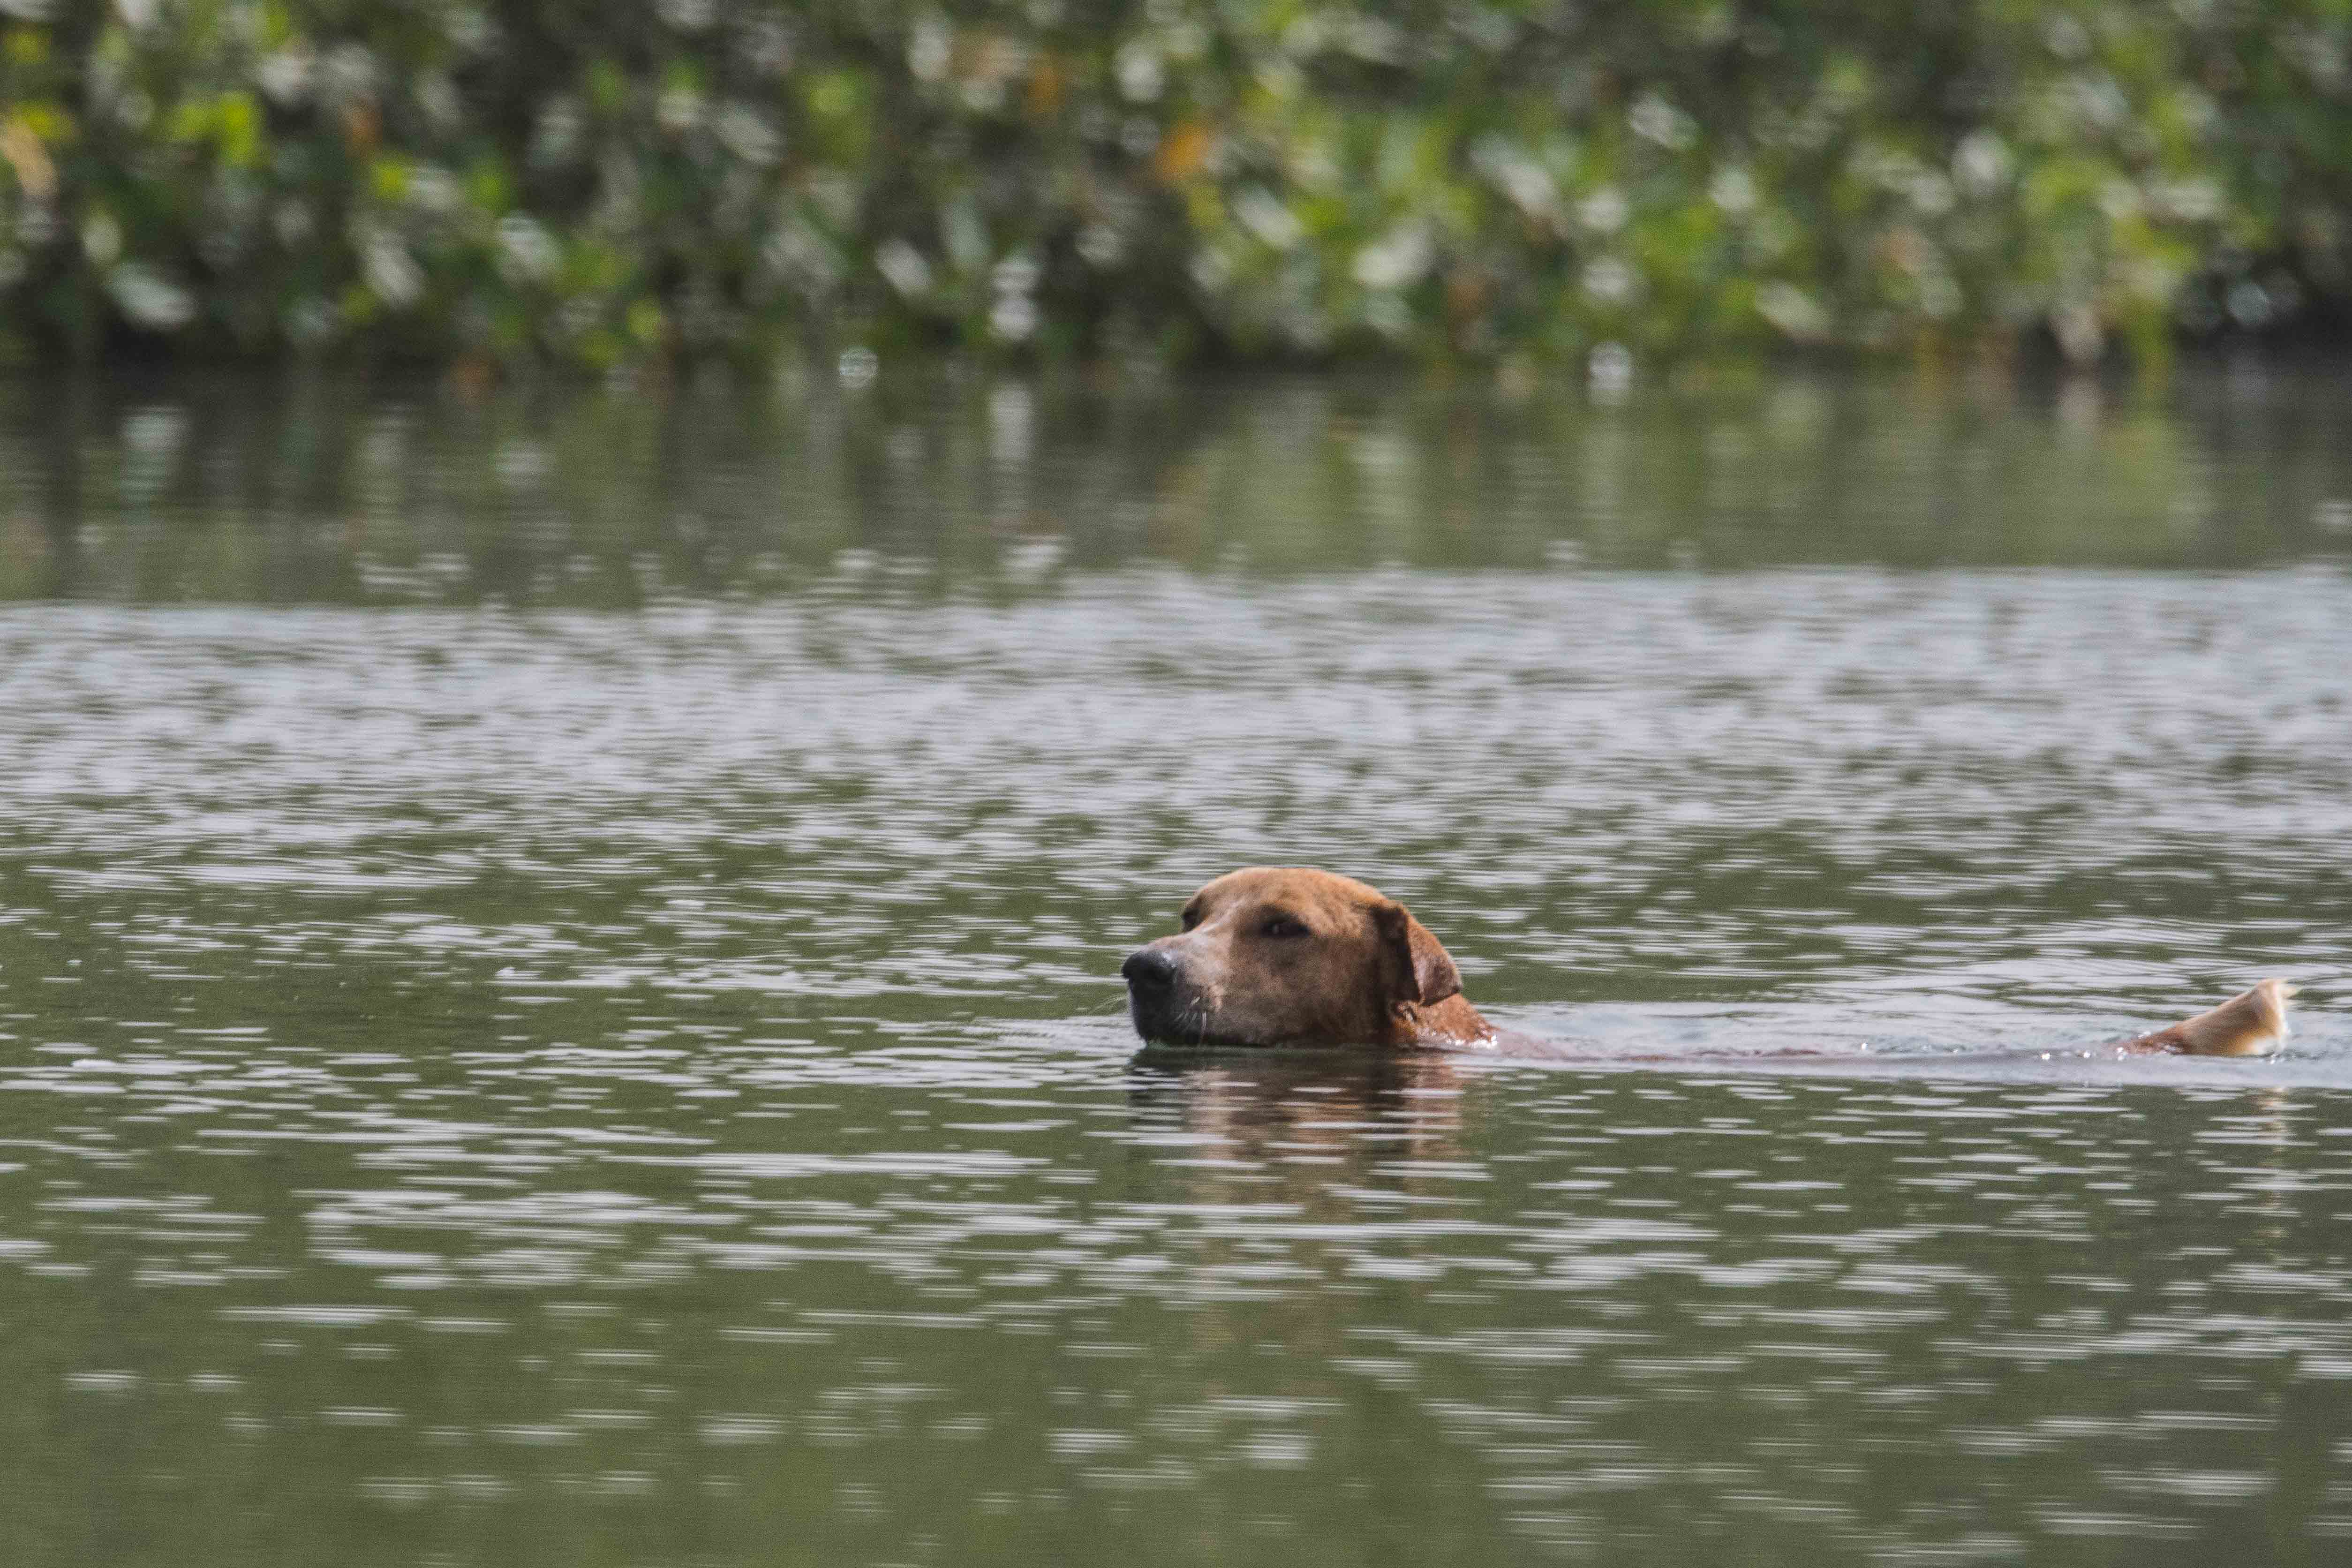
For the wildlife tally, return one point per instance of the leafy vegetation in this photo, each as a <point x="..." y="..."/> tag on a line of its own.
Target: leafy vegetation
<point x="605" y="182"/>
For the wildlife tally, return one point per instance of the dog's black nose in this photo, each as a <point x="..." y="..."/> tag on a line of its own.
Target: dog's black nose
<point x="1150" y="969"/>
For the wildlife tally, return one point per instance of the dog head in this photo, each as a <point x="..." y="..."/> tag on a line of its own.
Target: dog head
<point x="1288" y="956"/>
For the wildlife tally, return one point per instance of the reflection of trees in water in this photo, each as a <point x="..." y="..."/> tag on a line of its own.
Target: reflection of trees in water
<point x="330" y="490"/>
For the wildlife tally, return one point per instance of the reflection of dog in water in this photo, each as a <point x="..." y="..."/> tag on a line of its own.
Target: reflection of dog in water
<point x="1368" y="1109"/>
<point x="1282" y="955"/>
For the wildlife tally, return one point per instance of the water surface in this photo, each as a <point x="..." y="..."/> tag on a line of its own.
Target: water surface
<point x="557" y="1002"/>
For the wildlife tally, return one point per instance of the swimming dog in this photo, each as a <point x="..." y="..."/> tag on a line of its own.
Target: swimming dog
<point x="1287" y="955"/>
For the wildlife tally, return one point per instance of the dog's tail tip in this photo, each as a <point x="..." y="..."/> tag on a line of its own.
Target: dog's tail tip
<point x="2271" y="996"/>
<point x="2253" y="1022"/>
<point x="2275" y="993"/>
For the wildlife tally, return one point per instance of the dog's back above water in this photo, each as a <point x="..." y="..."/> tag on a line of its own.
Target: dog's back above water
<point x="1287" y="955"/>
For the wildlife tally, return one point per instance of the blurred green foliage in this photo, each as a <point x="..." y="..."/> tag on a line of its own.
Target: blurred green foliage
<point x="612" y="181"/>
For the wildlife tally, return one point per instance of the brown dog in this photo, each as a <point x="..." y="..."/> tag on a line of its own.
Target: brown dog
<point x="1279" y="955"/>
<point x="1285" y="955"/>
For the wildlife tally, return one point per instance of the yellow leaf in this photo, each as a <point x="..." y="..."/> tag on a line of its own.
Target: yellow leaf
<point x="35" y="175"/>
<point x="1185" y="149"/>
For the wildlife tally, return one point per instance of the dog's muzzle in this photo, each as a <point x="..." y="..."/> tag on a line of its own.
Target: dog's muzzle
<point x="1152" y="984"/>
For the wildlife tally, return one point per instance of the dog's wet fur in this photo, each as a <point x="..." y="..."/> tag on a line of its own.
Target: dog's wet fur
<point x="1290" y="956"/>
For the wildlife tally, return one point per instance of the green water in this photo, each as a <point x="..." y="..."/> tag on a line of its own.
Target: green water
<point x="558" y="974"/>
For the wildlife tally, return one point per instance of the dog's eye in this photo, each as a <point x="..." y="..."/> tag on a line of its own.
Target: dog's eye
<point x="1191" y="917"/>
<point x="1282" y="926"/>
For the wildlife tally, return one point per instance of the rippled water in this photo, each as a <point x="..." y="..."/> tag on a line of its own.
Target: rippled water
<point x="557" y="1002"/>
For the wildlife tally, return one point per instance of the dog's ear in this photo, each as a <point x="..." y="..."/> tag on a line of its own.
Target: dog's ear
<point x="1420" y="970"/>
